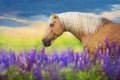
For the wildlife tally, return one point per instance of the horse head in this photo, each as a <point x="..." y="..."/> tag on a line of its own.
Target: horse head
<point x="54" y="30"/>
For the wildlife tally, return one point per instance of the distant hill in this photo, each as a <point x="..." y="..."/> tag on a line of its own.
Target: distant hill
<point x="31" y="31"/>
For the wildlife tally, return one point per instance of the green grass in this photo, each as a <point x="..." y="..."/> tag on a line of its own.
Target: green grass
<point x="25" y="43"/>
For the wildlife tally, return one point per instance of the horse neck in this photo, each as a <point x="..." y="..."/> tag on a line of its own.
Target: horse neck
<point x="84" y="38"/>
<point x="77" y="35"/>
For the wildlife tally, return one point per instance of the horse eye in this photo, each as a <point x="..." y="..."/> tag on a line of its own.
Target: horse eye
<point x="51" y="24"/>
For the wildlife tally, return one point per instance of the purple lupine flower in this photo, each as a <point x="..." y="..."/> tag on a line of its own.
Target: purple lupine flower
<point x="86" y="59"/>
<point x="40" y="55"/>
<point x="114" y="45"/>
<point x="97" y="53"/>
<point x="55" y="58"/>
<point x="116" y="56"/>
<point x="107" y="44"/>
<point x="37" y="61"/>
<point x="37" y="72"/>
<point x="118" y="53"/>
<point x="117" y="74"/>
<point x="61" y="64"/>
<point x="110" y="72"/>
<point x="49" y="61"/>
<point x="81" y="65"/>
<point x="70" y="55"/>
<point x="107" y="65"/>
<point x="3" y="67"/>
<point x="77" y="56"/>
<point x="12" y="57"/>
<point x="0" y="59"/>
<point x="24" y="57"/>
<point x="31" y="60"/>
<point x="20" y="61"/>
<point x="5" y="60"/>
<point x="42" y="51"/>
<point x="43" y="58"/>
<point x="85" y="56"/>
<point x="64" y="58"/>
<point x="53" y="73"/>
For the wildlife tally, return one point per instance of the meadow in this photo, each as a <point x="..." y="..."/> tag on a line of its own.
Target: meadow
<point x="26" y="38"/>
<point x="67" y="65"/>
<point x="22" y="53"/>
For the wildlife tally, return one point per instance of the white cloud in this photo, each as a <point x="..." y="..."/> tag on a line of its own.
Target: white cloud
<point x="11" y="14"/>
<point x="2" y="17"/>
<point x="115" y="7"/>
<point x="117" y="19"/>
<point x="40" y="18"/>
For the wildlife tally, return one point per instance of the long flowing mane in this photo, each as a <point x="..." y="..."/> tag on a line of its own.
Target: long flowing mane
<point x="81" y="22"/>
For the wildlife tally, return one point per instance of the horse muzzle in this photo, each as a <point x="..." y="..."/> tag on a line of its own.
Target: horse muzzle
<point x="46" y="42"/>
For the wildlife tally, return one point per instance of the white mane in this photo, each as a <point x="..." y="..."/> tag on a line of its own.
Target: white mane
<point x="81" y="22"/>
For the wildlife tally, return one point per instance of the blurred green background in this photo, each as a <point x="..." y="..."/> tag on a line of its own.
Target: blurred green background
<point x="31" y="37"/>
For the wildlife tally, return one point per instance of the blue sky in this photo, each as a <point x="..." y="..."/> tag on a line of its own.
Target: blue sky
<point x="39" y="10"/>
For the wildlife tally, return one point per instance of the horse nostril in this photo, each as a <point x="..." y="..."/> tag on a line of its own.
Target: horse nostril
<point x="46" y="42"/>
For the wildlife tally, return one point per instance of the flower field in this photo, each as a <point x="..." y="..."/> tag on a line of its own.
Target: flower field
<point x="66" y="65"/>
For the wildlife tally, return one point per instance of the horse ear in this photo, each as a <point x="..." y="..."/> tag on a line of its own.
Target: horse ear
<point x="54" y="15"/>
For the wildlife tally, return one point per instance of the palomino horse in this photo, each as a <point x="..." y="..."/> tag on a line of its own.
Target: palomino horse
<point x="90" y="29"/>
